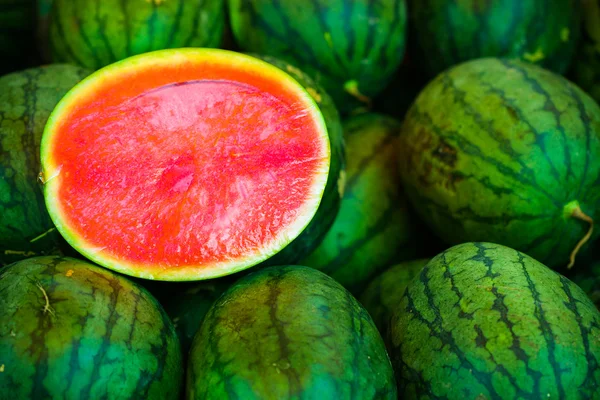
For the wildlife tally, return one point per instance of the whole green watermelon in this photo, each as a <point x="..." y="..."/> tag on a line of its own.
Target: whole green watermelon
<point x="586" y="68"/>
<point x="373" y="228"/>
<point x="94" y="34"/>
<point x="72" y="330"/>
<point x="350" y="47"/>
<point x="506" y="152"/>
<point x="26" y="100"/>
<point x="448" y="32"/>
<point x="17" y="34"/>
<point x="288" y="332"/>
<point x="483" y="321"/>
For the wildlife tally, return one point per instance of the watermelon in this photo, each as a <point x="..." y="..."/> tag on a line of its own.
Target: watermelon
<point x="586" y="68"/>
<point x="350" y="47"/>
<point x="385" y="291"/>
<point x="188" y="306"/>
<point x="485" y="321"/>
<point x="26" y="100"/>
<point x="506" y="152"/>
<point x="373" y="228"/>
<point x="72" y="330"/>
<point x="447" y="32"/>
<point x="288" y="332"/>
<point x="94" y="34"/>
<point x="186" y="164"/>
<point x="17" y="37"/>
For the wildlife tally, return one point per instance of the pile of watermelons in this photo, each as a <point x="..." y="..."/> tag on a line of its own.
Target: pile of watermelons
<point x="299" y="199"/>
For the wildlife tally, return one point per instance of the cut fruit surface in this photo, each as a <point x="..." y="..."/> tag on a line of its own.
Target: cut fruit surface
<point x="184" y="164"/>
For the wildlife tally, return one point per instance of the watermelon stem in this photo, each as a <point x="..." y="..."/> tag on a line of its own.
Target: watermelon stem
<point x="577" y="213"/>
<point x="352" y="88"/>
<point x="47" y="308"/>
<point x="42" y="235"/>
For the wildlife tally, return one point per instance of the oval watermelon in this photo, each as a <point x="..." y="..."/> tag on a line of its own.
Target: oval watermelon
<point x="507" y="152"/>
<point x="185" y="164"/>
<point x="373" y="228"/>
<point x="26" y="100"/>
<point x="448" y="32"/>
<point x="72" y="330"/>
<point x="94" y="34"/>
<point x="486" y="321"/>
<point x="288" y="332"/>
<point x="350" y="47"/>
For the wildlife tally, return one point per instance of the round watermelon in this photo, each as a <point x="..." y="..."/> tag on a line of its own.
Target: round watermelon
<point x="186" y="164"/>
<point x="506" y="152"/>
<point x="447" y="32"/>
<point x="350" y="47"/>
<point x="94" y="34"/>
<point x="288" y="332"/>
<point x="72" y="330"/>
<point x="484" y="321"/>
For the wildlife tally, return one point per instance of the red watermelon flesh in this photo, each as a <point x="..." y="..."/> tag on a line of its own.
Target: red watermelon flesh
<point x="184" y="164"/>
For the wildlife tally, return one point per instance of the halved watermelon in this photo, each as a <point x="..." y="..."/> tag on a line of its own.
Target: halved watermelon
<point x="184" y="164"/>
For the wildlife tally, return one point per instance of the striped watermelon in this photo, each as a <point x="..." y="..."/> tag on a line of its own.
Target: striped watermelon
<point x="288" y="333"/>
<point x="350" y="47"/>
<point x="484" y="321"/>
<point x="72" y="330"/>
<point x="507" y="152"/>
<point x="26" y="100"/>
<point x="97" y="33"/>
<point x="373" y="228"/>
<point x="448" y="32"/>
<point x="586" y="67"/>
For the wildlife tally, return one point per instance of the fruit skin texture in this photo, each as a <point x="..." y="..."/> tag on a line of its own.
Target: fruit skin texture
<point x="446" y="32"/>
<point x="329" y="207"/>
<point x="486" y="321"/>
<point x="288" y="332"/>
<point x="384" y="293"/>
<point x="112" y="30"/>
<point x="586" y="67"/>
<point x="336" y="42"/>
<point x="72" y="330"/>
<point x="589" y="281"/>
<point x="373" y="228"/>
<point x="26" y="100"/>
<point x="499" y="151"/>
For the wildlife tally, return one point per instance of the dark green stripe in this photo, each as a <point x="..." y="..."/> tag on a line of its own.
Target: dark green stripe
<point x="585" y="118"/>
<point x="127" y="26"/>
<point x="294" y="382"/>
<point x="473" y="150"/>
<point x="70" y="54"/>
<point x="589" y="384"/>
<point x="177" y="22"/>
<point x="436" y="329"/>
<point x="151" y="22"/>
<point x="102" y="34"/>
<point x="320" y="17"/>
<point x="544" y="327"/>
<point x="195" y="23"/>
<point x="99" y="357"/>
